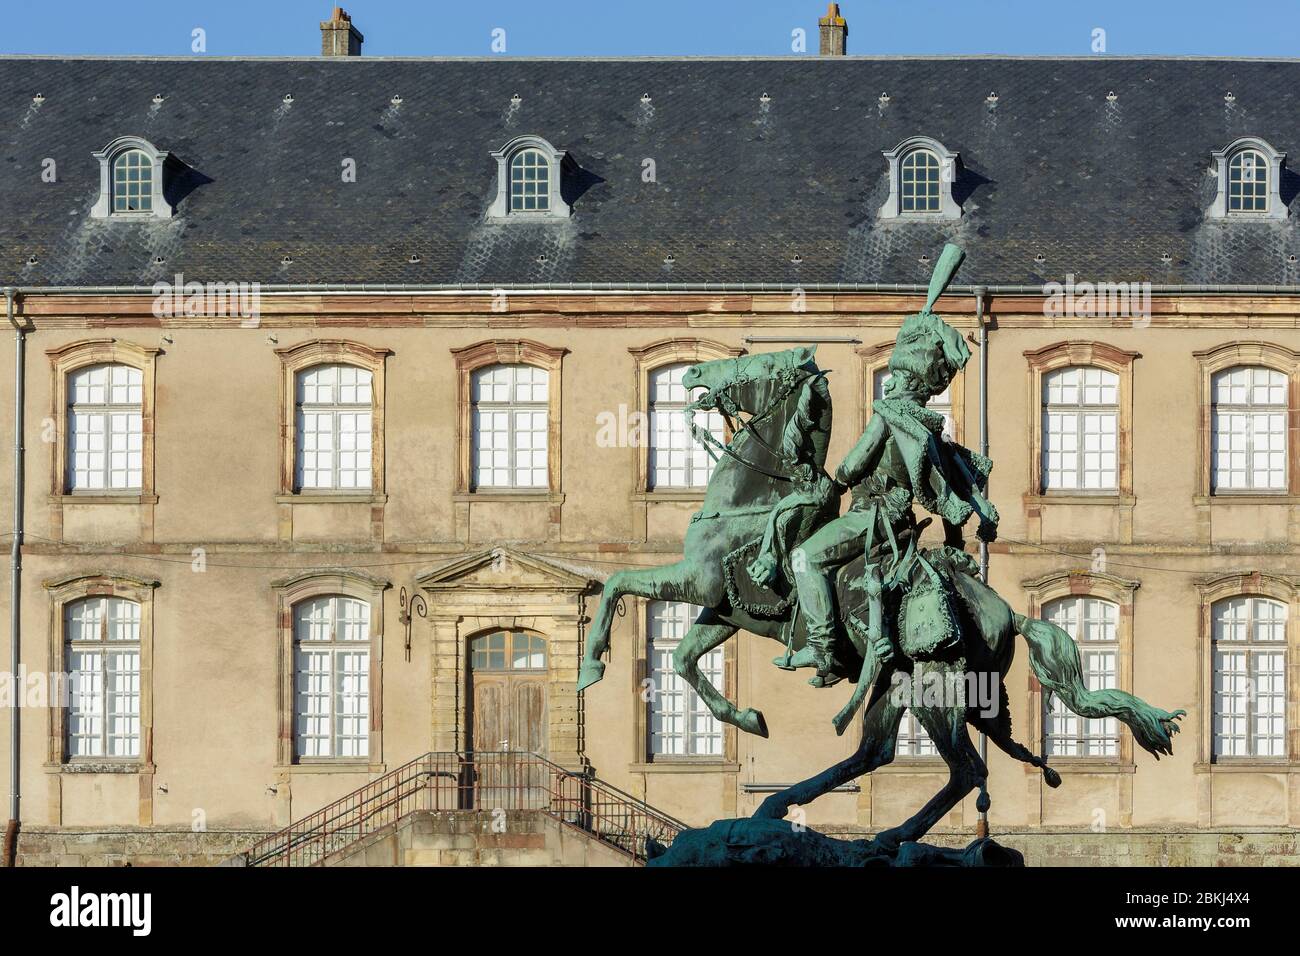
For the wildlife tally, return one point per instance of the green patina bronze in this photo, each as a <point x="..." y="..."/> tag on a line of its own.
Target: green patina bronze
<point x="856" y="595"/>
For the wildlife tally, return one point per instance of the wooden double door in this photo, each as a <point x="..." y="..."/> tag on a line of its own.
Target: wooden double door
<point x="508" y="680"/>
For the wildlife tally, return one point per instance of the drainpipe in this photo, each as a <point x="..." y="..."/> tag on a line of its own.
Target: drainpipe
<point x="982" y="827"/>
<point x="16" y="573"/>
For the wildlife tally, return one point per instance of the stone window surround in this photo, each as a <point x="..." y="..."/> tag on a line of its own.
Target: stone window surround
<point x="469" y="359"/>
<point x="62" y="592"/>
<point x="1065" y="354"/>
<point x="875" y="359"/>
<point x="559" y="161"/>
<point x="305" y="355"/>
<point x="292" y="591"/>
<point x="1210" y="591"/>
<point x="103" y="208"/>
<point x="647" y="360"/>
<point x="728" y="761"/>
<point x="1210" y="362"/>
<point x="1220" y="160"/>
<point x="67" y="359"/>
<point x="949" y="163"/>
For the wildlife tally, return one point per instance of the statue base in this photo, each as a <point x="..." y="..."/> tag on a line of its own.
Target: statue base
<point x="763" y="842"/>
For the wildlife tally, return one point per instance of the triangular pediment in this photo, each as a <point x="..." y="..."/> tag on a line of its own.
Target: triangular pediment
<point x="498" y="568"/>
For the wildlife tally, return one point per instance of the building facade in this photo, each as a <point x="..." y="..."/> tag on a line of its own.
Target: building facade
<point x="458" y="379"/>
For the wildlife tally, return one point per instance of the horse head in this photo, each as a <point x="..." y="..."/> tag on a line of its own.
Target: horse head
<point x="750" y="383"/>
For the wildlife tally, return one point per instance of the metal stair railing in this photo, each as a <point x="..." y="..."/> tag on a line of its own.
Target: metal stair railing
<point x="471" y="782"/>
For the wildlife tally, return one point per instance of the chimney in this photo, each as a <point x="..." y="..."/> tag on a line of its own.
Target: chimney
<point x="834" y="32"/>
<point x="338" y="37"/>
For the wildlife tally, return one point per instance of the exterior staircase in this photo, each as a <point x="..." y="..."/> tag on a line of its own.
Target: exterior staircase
<point x="502" y="788"/>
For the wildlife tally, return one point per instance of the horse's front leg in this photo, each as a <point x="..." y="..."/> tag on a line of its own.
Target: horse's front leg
<point x="682" y="581"/>
<point x="706" y="634"/>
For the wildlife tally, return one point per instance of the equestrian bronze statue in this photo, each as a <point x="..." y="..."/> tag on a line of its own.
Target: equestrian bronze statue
<point x="853" y="594"/>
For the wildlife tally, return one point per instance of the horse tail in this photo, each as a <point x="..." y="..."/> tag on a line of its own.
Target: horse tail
<point x="1054" y="658"/>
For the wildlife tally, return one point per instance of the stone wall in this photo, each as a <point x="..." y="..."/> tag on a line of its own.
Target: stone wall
<point x="130" y="846"/>
<point x="525" y="838"/>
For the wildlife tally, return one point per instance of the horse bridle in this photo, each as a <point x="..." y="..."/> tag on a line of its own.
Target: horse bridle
<point x="730" y="411"/>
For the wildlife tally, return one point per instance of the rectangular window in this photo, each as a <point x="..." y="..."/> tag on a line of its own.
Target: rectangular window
<point x="103" y="660"/>
<point x="1249" y="636"/>
<point x="335" y="428"/>
<point x="1249" y="432"/>
<point x="1080" y="430"/>
<point x="510" y="421"/>
<point x="680" y="724"/>
<point x="332" y="677"/>
<point x="105" y="429"/>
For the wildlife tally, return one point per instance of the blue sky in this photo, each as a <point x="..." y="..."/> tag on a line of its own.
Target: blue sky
<point x="657" y="27"/>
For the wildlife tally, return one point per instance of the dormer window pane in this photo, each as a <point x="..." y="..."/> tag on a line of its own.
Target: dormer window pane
<point x="133" y="182"/>
<point x="920" y="182"/>
<point x="530" y="182"/>
<point x="1248" y="182"/>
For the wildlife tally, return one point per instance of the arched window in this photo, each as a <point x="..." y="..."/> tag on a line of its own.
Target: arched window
<point x="677" y="460"/>
<point x="133" y="182"/>
<point x="1080" y="429"/>
<point x="510" y="410"/>
<point x="1249" y="173"/>
<point x="941" y="403"/>
<point x="102" y="655"/>
<point x="679" y="723"/>
<point x="1249" y="639"/>
<point x="331" y="639"/>
<point x="1093" y="623"/>
<point x="105" y="428"/>
<point x="335" y="428"/>
<point x="919" y="184"/>
<point x="1248" y="190"/>
<point x="1248" y="431"/>
<point x="530" y="181"/>
<point x="921" y="176"/>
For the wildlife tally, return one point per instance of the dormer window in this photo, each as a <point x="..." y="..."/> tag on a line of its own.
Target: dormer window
<point x="1249" y="172"/>
<point x="131" y="180"/>
<point x="529" y="180"/>
<point x="921" y="174"/>
<point x="920" y="182"/>
<point x="1248" y="182"/>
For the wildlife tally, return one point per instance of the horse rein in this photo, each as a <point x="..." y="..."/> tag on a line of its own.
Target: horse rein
<point x="731" y="411"/>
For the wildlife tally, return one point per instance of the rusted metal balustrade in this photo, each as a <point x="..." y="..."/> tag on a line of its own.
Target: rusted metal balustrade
<point x="477" y="782"/>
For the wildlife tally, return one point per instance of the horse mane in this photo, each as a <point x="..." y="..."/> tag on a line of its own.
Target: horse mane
<point x="802" y="439"/>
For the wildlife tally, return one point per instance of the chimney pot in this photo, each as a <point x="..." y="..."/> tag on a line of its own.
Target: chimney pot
<point x="338" y="37"/>
<point x="834" y="31"/>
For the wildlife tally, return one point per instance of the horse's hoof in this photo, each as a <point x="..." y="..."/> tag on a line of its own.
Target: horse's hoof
<point x="982" y="802"/>
<point x="589" y="673"/>
<point x="751" y="722"/>
<point x="1052" y="777"/>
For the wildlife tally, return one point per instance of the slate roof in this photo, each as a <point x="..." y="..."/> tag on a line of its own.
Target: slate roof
<point x="1101" y="189"/>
